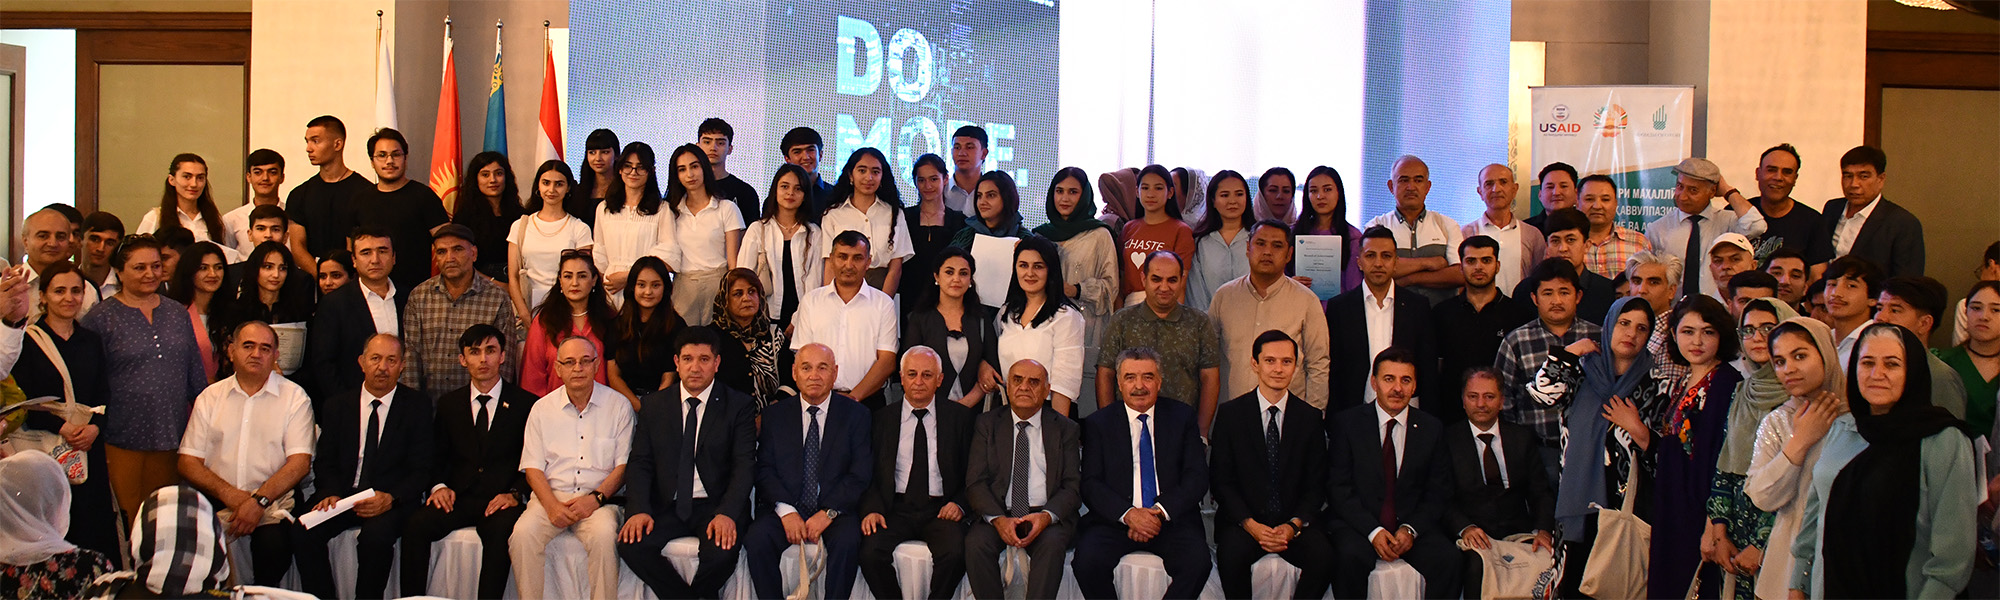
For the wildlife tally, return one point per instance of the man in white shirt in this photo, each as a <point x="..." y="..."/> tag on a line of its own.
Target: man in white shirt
<point x="1037" y="512"/>
<point x="346" y="318"/>
<point x="855" y="320"/>
<point x="1852" y="286"/>
<point x="1426" y="241"/>
<point x="227" y="451"/>
<point x="1520" y="242"/>
<point x="47" y="237"/>
<point x="1145" y="470"/>
<point x="1688" y="232"/>
<point x="574" y="451"/>
<point x="918" y="492"/>
<point x="264" y="172"/>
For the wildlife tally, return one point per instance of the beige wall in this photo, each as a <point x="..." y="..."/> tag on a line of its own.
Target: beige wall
<point x="1785" y="71"/>
<point x="1942" y="146"/>
<point x="1590" y="42"/>
<point x="312" y="58"/>
<point x="141" y="133"/>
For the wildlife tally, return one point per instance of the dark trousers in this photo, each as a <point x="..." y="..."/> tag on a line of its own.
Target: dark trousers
<point x="983" y="550"/>
<point x="766" y="544"/>
<point x="713" y="565"/>
<point x="375" y="551"/>
<point x="1236" y="552"/>
<point x="430" y="524"/>
<point x="1182" y="546"/>
<point x="915" y="521"/>
<point x="1435" y="556"/>
<point x="271" y="553"/>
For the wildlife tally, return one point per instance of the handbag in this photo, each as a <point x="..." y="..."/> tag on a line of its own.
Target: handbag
<point x="1619" y="559"/>
<point x="74" y="462"/>
<point x="1511" y="568"/>
<point x="809" y="569"/>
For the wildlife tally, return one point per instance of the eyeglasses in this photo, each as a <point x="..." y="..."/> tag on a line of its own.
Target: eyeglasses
<point x="577" y="362"/>
<point x="1765" y="329"/>
<point x="632" y="168"/>
<point x="388" y="155"/>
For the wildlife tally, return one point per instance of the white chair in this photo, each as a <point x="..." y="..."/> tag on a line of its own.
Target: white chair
<point x="683" y="553"/>
<point x="1395" y="580"/>
<point x="1273" y="577"/>
<point x="1144" y="575"/>
<point x="455" y="561"/>
<point x="340" y="552"/>
<point x="568" y="567"/>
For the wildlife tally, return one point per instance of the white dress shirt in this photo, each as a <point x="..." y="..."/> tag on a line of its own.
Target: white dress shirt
<point x="1264" y="416"/>
<point x="245" y="438"/>
<point x="1402" y="419"/>
<point x="1511" y="246"/>
<point x="704" y="235"/>
<point x="1669" y="234"/>
<point x="1849" y="228"/>
<point x="806" y="427"/>
<point x="193" y="222"/>
<point x="1153" y="425"/>
<point x="906" y="443"/>
<point x="1057" y="343"/>
<point x="888" y="235"/>
<point x="1499" y="449"/>
<point x="959" y="199"/>
<point x="1038" y="460"/>
<point x="854" y="329"/>
<point x="1846" y="345"/>
<point x="700" y="491"/>
<point x="382" y="309"/>
<point x="381" y="416"/>
<point x="236" y="225"/>
<point x="1380" y="315"/>
<point x="577" y="450"/>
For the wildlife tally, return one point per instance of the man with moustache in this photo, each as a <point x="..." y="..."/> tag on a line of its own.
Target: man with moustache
<point x="1024" y="482"/>
<point x="1144" y="474"/>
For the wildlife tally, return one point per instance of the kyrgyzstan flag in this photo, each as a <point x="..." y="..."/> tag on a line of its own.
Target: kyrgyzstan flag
<point x="549" y="145"/>
<point x="445" y="154"/>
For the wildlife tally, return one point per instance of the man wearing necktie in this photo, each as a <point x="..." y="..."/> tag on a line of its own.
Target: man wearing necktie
<point x="477" y="481"/>
<point x="1501" y="487"/>
<point x="1697" y="220"/>
<point x="813" y="464"/>
<point x="1389" y="485"/>
<point x="919" y="486"/>
<point x="1145" y="470"/>
<point x="694" y="450"/>
<point x="1268" y="463"/>
<point x="1025" y="482"/>
<point x="380" y="441"/>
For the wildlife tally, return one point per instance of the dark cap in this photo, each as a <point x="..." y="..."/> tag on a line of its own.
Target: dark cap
<point x="454" y="230"/>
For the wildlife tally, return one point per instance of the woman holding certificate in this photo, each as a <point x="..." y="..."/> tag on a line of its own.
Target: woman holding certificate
<point x="1323" y="232"/>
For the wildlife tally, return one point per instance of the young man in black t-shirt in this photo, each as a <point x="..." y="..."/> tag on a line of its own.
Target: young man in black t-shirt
<point x="717" y="139"/>
<point x="323" y="205"/>
<point x="407" y="209"/>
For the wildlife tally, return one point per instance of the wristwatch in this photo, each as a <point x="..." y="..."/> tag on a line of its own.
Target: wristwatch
<point x="262" y="501"/>
<point x="601" y="498"/>
<point x="832" y="514"/>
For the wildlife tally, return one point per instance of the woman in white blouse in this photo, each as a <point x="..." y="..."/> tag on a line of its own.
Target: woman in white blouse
<point x="186" y="202"/>
<point x="1035" y="324"/>
<point x="1788" y="440"/>
<point x="630" y="222"/>
<point x="536" y="242"/>
<point x="788" y="228"/>
<point x="708" y="231"/>
<point x="867" y="200"/>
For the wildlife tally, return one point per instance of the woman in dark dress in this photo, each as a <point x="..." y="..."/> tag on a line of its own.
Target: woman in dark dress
<point x="932" y="227"/>
<point x="594" y="180"/>
<point x="954" y="323"/>
<point x="266" y="292"/>
<point x="93" y="518"/>
<point x="489" y="202"/>
<point x="1691" y="430"/>
<point x="758" y="363"/>
<point x="642" y="356"/>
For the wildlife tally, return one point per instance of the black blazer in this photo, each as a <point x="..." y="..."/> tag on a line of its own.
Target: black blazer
<point x="845" y="467"/>
<point x="1180" y="462"/>
<point x="1351" y="362"/>
<point x="725" y="451"/>
<point x="404" y="449"/>
<point x="340" y="328"/>
<point x="926" y="328"/>
<point x="1241" y="471"/>
<point x="1892" y="238"/>
<point x="1356" y="486"/>
<point x="481" y="464"/>
<point x="952" y="422"/>
<point x="990" y="473"/>
<point x="1527" y="505"/>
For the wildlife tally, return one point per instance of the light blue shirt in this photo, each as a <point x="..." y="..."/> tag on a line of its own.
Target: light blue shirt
<point x="1948" y="498"/>
<point x="1216" y="263"/>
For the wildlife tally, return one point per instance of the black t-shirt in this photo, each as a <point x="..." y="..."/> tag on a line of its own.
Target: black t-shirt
<point x="584" y="209"/>
<point x="325" y="210"/>
<point x="733" y="189"/>
<point x="409" y="213"/>
<point x="1467" y="338"/>
<point x="1797" y="228"/>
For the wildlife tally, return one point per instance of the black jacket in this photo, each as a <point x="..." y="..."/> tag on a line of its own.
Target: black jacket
<point x="724" y="456"/>
<point x="927" y="328"/>
<point x="1527" y="505"/>
<point x="481" y="464"/>
<point x="340" y="328"/>
<point x="404" y="448"/>
<point x="990" y="472"/>
<point x="1351" y="362"/>
<point x="1356" y="485"/>
<point x="952" y="423"/>
<point x="1892" y="238"/>
<point x="1239" y="467"/>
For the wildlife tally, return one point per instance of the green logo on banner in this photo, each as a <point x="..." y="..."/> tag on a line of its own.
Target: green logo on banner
<point x="1660" y="119"/>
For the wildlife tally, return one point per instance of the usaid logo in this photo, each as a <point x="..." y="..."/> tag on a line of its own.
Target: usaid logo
<point x="1560" y="112"/>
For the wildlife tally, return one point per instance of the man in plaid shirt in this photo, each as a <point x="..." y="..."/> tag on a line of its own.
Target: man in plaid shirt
<point x="1606" y="246"/>
<point x="1527" y="347"/>
<point x="442" y="307"/>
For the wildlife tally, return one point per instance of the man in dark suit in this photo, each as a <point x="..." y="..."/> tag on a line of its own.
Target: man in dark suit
<point x="1501" y="487"/>
<point x="813" y="463"/>
<point x="1134" y="508"/>
<point x="918" y="491"/>
<point x="477" y="478"/>
<point x="377" y="437"/>
<point x="1864" y="224"/>
<point x="1389" y="485"/>
<point x="345" y="319"/>
<point x="1037" y="512"/>
<point x="1269" y="465"/>
<point x="694" y="449"/>
<point x="1399" y="317"/>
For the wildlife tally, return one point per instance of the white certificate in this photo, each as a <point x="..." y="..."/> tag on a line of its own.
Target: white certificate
<point x="1319" y="258"/>
<point x="995" y="256"/>
<point x="291" y="346"/>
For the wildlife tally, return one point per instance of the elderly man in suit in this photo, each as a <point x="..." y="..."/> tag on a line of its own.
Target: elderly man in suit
<point x="1390" y="485"/>
<point x="919" y="487"/>
<point x="1269" y="468"/>
<point x="1024" y="482"/>
<point x="693" y="456"/>
<point x="1500" y="485"/>
<point x="813" y="464"/>
<point x="1145" y="470"/>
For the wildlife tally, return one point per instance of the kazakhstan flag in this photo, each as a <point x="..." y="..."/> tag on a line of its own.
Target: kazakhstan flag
<point x="496" y="105"/>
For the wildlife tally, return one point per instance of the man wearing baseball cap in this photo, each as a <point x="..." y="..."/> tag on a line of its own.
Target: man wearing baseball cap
<point x="442" y="307"/>
<point x="1698" y="220"/>
<point x="1731" y="253"/>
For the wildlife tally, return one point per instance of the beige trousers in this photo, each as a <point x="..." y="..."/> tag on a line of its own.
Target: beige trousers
<point x="528" y="546"/>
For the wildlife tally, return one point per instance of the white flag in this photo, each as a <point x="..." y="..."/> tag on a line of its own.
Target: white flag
<point x="385" y="85"/>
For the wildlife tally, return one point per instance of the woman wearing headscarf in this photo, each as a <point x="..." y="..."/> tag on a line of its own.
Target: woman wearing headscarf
<point x="997" y="203"/>
<point x="1611" y="396"/>
<point x="1089" y="254"/>
<point x="72" y="363"/>
<point x="1738" y="529"/>
<point x="1897" y="488"/>
<point x="1692" y="426"/>
<point x="178" y="547"/>
<point x="1121" y="196"/>
<point x="35" y="561"/>
<point x="755" y="363"/>
<point x="1788" y="440"/>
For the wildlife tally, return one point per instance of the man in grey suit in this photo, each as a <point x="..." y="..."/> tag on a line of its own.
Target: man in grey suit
<point x="1028" y="495"/>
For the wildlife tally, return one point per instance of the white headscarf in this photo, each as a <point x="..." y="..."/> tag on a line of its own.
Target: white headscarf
<point x="34" y="509"/>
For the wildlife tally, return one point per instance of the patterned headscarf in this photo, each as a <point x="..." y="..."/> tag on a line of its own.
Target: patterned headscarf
<point x="179" y="545"/>
<point x="763" y="338"/>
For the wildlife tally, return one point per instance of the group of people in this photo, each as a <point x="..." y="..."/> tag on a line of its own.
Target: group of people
<point x="816" y="366"/>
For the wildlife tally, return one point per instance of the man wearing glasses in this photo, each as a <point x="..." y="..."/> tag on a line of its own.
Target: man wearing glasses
<point x="411" y="213"/>
<point x="573" y="453"/>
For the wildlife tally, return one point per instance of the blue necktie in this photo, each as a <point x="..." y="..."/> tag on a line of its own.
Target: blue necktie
<point x="1149" y="486"/>
<point x="809" y="502"/>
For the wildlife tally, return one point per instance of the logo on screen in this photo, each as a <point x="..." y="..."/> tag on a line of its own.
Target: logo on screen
<point x="1560" y="112"/>
<point x="1610" y="120"/>
<point x="1660" y="119"/>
